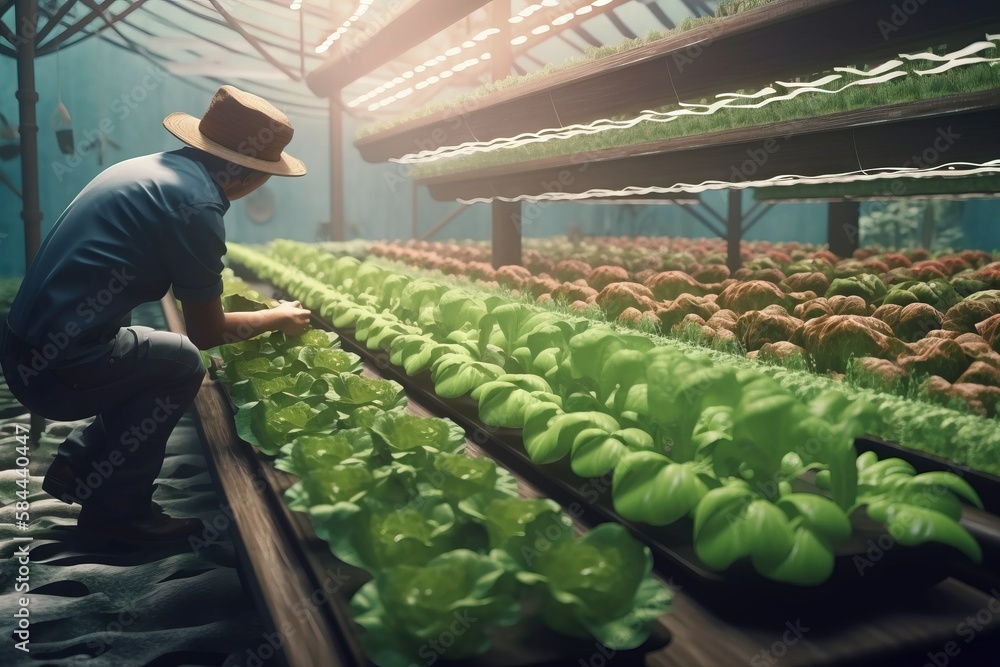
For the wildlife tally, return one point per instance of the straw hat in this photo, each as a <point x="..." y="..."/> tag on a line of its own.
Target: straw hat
<point x="240" y="127"/>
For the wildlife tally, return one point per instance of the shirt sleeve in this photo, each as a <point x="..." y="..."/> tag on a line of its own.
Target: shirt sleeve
<point x="195" y="246"/>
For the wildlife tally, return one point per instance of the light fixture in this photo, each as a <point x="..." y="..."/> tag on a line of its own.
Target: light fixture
<point x="479" y="37"/>
<point x="362" y="7"/>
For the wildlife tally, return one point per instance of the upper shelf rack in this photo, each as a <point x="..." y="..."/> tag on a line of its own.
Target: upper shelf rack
<point x="782" y="39"/>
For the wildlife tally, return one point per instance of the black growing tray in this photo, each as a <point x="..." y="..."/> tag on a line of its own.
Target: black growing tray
<point x="985" y="484"/>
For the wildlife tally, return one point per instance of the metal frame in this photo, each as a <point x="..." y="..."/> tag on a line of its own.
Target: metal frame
<point x="734" y="225"/>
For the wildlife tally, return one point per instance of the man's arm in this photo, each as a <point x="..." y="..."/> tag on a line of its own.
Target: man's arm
<point x="208" y="326"/>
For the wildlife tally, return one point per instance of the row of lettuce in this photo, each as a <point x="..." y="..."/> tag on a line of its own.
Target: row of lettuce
<point x="903" y="321"/>
<point x="759" y="472"/>
<point x="918" y="408"/>
<point x="444" y="535"/>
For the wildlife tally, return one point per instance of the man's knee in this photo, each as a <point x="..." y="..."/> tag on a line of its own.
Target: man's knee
<point x="190" y="357"/>
<point x="183" y="356"/>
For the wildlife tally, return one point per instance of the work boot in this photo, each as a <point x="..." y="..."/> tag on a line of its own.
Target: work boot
<point x="62" y="482"/>
<point x="152" y="528"/>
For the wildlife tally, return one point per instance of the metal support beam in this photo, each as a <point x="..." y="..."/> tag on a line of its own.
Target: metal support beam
<point x="754" y="216"/>
<point x="843" y="232"/>
<point x="506" y="233"/>
<point x="10" y="184"/>
<point x="252" y="41"/>
<point x="336" y="170"/>
<point x="8" y="34"/>
<point x="53" y="21"/>
<point x="302" y="44"/>
<point x="502" y="56"/>
<point x="26" y="18"/>
<point x="414" y="209"/>
<point x="721" y="219"/>
<point x="700" y="217"/>
<point x="734" y="229"/>
<point x="445" y="221"/>
<point x="96" y="12"/>
<point x="506" y="215"/>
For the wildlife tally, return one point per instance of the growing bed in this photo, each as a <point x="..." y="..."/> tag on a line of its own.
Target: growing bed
<point x="707" y="625"/>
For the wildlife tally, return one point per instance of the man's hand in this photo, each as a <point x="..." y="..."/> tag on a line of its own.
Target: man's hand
<point x="208" y="326"/>
<point x="291" y="318"/>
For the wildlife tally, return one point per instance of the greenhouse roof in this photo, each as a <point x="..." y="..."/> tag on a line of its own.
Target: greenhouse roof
<point x="269" y="46"/>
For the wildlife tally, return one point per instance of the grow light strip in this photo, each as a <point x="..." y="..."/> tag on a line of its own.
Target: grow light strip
<point x="439" y="77"/>
<point x="950" y="170"/>
<point x="880" y="74"/>
<point x="359" y="11"/>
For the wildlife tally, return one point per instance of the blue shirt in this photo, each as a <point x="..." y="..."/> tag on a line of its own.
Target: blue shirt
<point x="140" y="227"/>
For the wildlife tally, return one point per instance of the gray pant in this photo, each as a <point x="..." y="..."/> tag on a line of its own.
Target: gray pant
<point x="138" y="393"/>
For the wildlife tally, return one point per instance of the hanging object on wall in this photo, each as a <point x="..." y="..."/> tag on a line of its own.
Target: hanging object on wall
<point x="62" y="122"/>
<point x="260" y="205"/>
<point x="10" y="147"/>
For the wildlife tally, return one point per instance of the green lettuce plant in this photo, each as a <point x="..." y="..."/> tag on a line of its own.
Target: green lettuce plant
<point x="441" y="609"/>
<point x="309" y="453"/>
<point x="456" y="374"/>
<point x="400" y="435"/>
<point x="598" y="585"/>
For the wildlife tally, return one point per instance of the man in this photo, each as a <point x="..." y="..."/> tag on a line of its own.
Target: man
<point x="141" y="227"/>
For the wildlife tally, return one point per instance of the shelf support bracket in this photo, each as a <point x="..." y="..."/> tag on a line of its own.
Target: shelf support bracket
<point x="734" y="229"/>
<point x="842" y="227"/>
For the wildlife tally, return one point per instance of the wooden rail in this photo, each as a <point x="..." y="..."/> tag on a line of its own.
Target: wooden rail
<point x="273" y="571"/>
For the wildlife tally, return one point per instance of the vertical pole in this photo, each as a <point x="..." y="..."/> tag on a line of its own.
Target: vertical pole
<point x="302" y="43"/>
<point x="734" y="230"/>
<point x="842" y="227"/>
<point x="26" y="24"/>
<point x="336" y="169"/>
<point x="506" y="233"/>
<point x="506" y="215"/>
<point x="414" y="210"/>
<point x="25" y="28"/>
<point x="501" y="57"/>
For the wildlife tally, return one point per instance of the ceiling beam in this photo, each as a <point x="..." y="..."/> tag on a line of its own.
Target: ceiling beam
<point x="620" y="25"/>
<point x="252" y="41"/>
<point x="414" y="24"/>
<point x="96" y="11"/>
